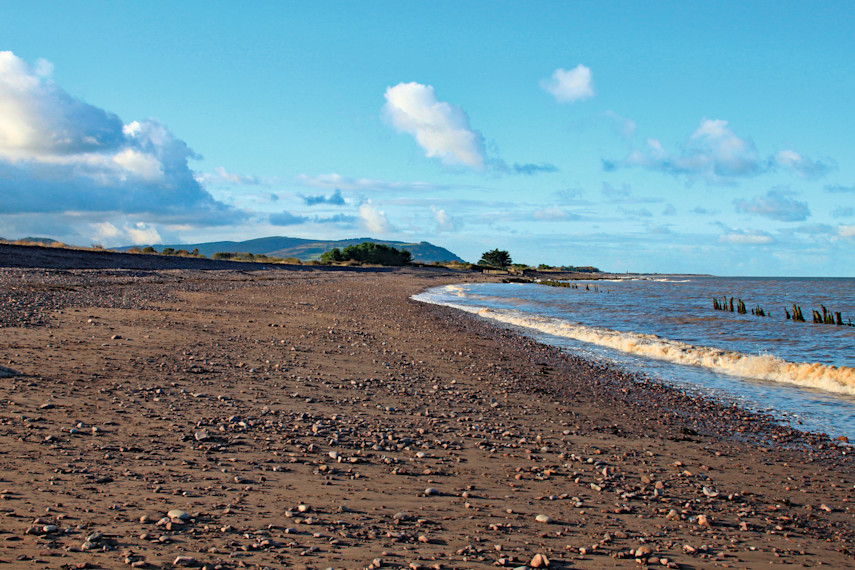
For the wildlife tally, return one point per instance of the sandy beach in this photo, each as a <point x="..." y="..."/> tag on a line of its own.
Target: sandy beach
<point x="159" y="414"/>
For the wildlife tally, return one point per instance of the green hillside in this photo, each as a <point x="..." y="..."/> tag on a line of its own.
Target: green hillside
<point x="307" y="249"/>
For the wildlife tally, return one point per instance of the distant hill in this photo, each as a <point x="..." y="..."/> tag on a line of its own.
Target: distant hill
<point x="306" y="249"/>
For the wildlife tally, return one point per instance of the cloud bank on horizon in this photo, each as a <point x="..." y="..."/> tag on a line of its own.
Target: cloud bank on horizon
<point x="583" y="161"/>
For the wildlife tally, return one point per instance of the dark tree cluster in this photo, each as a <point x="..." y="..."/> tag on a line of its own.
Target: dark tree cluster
<point x="369" y="253"/>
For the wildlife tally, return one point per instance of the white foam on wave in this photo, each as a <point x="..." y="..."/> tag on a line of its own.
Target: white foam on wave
<point x="839" y="379"/>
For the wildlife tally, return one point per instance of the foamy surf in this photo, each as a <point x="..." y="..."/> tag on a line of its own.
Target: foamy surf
<point x="761" y="366"/>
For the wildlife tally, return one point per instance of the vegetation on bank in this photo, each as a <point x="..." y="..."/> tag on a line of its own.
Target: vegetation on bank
<point x="365" y="253"/>
<point x="370" y="254"/>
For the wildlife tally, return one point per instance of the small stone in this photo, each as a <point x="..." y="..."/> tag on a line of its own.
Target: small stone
<point x="539" y="561"/>
<point x="543" y="519"/>
<point x="703" y="521"/>
<point x="185" y="561"/>
<point x="178" y="515"/>
<point x="643" y="551"/>
<point x="430" y="491"/>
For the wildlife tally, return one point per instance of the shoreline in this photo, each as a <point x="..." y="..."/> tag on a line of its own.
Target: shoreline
<point x="414" y="435"/>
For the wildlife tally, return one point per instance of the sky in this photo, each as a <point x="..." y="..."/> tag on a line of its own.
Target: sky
<point x="669" y="137"/>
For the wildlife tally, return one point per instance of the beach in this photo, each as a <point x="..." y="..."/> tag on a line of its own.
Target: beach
<point x="190" y="413"/>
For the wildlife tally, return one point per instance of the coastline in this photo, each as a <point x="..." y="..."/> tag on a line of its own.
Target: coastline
<point x="413" y="434"/>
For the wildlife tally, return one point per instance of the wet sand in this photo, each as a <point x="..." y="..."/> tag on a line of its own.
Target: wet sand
<point x="304" y="418"/>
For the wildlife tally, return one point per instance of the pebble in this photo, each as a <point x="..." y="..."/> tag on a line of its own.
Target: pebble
<point x="177" y="515"/>
<point x="430" y="491"/>
<point x="543" y="519"/>
<point x="539" y="561"/>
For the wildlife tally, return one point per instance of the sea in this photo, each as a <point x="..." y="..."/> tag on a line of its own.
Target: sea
<point x="668" y="328"/>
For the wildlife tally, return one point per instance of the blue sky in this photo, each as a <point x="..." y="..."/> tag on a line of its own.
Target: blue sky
<point x="635" y="136"/>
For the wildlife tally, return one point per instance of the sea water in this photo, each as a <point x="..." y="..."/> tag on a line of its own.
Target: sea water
<point x="802" y="373"/>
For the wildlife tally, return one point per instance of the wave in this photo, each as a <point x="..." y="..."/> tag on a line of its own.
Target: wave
<point x="839" y="379"/>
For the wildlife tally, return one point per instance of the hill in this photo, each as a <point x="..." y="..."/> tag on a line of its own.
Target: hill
<point x="307" y="249"/>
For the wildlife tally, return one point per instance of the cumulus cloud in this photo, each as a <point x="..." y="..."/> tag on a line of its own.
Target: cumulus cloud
<point x="777" y="204"/>
<point x="669" y="210"/>
<point x="334" y="199"/>
<point x="440" y="128"/>
<point x="803" y="166"/>
<point x="713" y="151"/>
<point x="444" y="222"/>
<point x="568" y="86"/>
<point x="374" y="220"/>
<point x="846" y="231"/>
<point x="137" y="233"/>
<point x="59" y="154"/>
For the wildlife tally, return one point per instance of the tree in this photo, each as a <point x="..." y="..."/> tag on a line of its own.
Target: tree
<point x="370" y="253"/>
<point x="332" y="256"/>
<point x="496" y="258"/>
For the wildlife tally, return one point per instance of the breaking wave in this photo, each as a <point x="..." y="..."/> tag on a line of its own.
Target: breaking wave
<point x="839" y="379"/>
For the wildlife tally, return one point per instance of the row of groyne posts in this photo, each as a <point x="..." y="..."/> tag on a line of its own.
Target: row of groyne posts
<point x="826" y="317"/>
<point x="567" y="284"/>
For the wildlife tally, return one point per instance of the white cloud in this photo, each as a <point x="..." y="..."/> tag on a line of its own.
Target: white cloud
<point x="59" y="154"/>
<point x="141" y="233"/>
<point x="777" y="204"/>
<point x="444" y="222"/>
<point x="803" y="166"/>
<point x="713" y="152"/>
<point x="568" y="86"/>
<point x="441" y="129"/>
<point x="374" y="220"/>
<point x="105" y="232"/>
<point x="138" y="233"/>
<point x="846" y="231"/>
